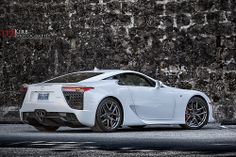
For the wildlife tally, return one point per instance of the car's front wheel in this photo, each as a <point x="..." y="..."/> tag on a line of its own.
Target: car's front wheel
<point x="109" y="116"/>
<point x="196" y="113"/>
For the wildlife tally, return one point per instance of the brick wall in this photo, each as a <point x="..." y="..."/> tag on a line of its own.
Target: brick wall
<point x="185" y="43"/>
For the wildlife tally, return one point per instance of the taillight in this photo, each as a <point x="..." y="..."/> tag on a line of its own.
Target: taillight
<point x="77" y="89"/>
<point x="24" y="88"/>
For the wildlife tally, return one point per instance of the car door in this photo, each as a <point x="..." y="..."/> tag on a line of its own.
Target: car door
<point x="150" y="103"/>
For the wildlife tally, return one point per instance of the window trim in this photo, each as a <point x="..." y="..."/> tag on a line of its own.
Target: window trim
<point x="148" y="80"/>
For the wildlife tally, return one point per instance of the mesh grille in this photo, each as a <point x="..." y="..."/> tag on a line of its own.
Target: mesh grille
<point x="74" y="99"/>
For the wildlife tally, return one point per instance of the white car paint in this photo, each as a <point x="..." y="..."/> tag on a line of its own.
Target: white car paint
<point x="141" y="105"/>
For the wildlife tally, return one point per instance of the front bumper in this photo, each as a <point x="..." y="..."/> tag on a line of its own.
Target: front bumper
<point x="42" y="117"/>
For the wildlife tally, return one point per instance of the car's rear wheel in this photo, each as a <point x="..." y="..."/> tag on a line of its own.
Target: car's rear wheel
<point x="109" y="116"/>
<point x="47" y="128"/>
<point x="196" y="113"/>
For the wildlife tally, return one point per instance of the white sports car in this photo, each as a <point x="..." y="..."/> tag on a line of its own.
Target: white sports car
<point x="108" y="99"/>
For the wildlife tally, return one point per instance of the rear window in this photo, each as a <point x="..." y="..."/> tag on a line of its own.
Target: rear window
<point x="73" y="77"/>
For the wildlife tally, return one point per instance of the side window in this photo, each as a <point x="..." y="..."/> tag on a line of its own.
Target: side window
<point x="131" y="79"/>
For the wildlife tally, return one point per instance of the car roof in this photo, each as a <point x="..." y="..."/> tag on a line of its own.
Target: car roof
<point x="108" y="73"/>
<point x="105" y="73"/>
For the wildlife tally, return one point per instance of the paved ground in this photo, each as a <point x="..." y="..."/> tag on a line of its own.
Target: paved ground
<point x="212" y="140"/>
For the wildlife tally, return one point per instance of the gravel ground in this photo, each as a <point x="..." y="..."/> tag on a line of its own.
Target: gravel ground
<point x="212" y="140"/>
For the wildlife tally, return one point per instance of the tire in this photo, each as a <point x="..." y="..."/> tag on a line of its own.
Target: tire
<point x="109" y="116"/>
<point x="137" y="126"/>
<point x="47" y="128"/>
<point x="196" y="114"/>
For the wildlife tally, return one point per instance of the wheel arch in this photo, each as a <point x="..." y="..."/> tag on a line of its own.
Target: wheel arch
<point x="202" y="97"/>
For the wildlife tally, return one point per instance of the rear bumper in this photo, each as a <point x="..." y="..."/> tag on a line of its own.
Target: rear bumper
<point x="57" y="103"/>
<point x="57" y="115"/>
<point x="42" y="117"/>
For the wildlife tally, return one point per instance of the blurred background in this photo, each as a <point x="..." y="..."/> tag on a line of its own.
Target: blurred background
<point x="189" y="44"/>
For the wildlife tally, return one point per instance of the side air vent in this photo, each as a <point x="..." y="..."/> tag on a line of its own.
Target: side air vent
<point x="74" y="99"/>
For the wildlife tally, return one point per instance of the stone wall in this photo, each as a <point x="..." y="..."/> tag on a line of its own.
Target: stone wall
<point x="185" y="43"/>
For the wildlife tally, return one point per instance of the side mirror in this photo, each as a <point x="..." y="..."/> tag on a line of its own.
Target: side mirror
<point x="119" y="82"/>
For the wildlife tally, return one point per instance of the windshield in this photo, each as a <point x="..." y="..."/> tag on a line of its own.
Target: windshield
<point x="73" y="77"/>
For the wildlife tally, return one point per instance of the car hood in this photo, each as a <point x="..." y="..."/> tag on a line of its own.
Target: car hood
<point x="178" y="90"/>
